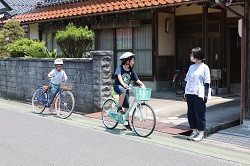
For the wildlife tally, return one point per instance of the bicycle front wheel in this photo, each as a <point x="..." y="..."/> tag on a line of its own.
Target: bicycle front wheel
<point x="143" y="120"/>
<point x="39" y="101"/>
<point x="179" y="84"/>
<point x="64" y="104"/>
<point x="108" y="108"/>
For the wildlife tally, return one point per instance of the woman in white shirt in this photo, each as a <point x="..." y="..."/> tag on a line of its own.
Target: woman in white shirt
<point x="198" y="75"/>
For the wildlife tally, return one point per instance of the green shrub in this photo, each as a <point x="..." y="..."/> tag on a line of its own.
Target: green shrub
<point x="74" y="41"/>
<point x="19" y="47"/>
<point x="29" y="48"/>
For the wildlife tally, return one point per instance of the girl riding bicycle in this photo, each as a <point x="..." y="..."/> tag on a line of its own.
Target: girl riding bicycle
<point x="57" y="75"/>
<point x="123" y="75"/>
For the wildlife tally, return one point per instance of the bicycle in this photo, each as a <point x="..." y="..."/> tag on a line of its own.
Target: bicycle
<point x="63" y="97"/>
<point x="179" y="81"/>
<point x="143" y="115"/>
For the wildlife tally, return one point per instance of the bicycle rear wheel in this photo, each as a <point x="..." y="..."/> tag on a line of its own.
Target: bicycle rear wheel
<point x="39" y="101"/>
<point x="143" y="120"/>
<point x="64" y="104"/>
<point x="108" y="107"/>
<point x="179" y="83"/>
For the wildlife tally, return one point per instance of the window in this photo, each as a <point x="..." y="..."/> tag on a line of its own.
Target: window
<point x="106" y="42"/>
<point x="123" y="42"/>
<point x="137" y="40"/>
<point x="143" y="50"/>
<point x="50" y="39"/>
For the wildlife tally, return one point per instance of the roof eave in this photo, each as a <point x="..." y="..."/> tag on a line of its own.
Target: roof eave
<point x="120" y="11"/>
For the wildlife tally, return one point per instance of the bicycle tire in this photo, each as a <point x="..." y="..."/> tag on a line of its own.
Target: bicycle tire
<point x="64" y="104"/>
<point x="39" y="101"/>
<point x="143" y="120"/>
<point x="109" y="105"/>
<point x="179" y="83"/>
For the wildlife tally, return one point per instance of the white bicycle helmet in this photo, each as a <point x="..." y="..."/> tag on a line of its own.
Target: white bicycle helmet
<point x="58" y="62"/>
<point x="126" y="56"/>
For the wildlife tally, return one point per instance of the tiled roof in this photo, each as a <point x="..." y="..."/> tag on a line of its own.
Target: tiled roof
<point x="56" y="2"/>
<point x="21" y="6"/>
<point x="93" y="7"/>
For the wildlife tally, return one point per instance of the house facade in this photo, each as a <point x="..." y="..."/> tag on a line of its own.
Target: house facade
<point x="160" y="33"/>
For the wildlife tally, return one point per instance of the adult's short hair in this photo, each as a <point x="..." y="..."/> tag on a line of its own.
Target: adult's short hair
<point x="198" y="53"/>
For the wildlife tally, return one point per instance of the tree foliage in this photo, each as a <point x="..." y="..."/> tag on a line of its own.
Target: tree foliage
<point x="74" y="42"/>
<point x="3" y="51"/>
<point x="12" y="31"/>
<point x="29" y="48"/>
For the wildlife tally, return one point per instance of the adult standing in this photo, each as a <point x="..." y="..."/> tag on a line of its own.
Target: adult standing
<point x="198" y="76"/>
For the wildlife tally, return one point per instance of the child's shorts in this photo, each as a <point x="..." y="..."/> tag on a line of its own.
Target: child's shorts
<point x="119" y="90"/>
<point x="53" y="89"/>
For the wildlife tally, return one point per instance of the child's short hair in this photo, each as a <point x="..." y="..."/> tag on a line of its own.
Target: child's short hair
<point x="198" y="53"/>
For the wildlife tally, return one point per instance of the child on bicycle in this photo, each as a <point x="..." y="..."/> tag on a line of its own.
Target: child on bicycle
<point x="123" y="75"/>
<point x="57" y="76"/>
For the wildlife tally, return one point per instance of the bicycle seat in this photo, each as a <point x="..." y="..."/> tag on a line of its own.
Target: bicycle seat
<point x="46" y="87"/>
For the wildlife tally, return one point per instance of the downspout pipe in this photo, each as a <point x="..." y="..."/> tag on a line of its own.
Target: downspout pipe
<point x="242" y="85"/>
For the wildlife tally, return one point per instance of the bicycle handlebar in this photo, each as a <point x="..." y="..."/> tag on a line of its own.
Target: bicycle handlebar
<point x="60" y="81"/>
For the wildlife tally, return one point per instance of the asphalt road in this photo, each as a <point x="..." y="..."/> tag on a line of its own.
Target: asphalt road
<point x="30" y="139"/>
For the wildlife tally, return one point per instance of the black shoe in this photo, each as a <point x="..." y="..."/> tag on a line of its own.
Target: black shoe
<point x="127" y="125"/>
<point x="120" y="110"/>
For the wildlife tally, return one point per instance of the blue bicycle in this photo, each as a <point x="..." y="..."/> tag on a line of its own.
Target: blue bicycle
<point x="63" y="100"/>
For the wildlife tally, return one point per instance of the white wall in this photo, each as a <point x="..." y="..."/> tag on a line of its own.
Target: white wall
<point x="34" y="33"/>
<point x="238" y="9"/>
<point x="193" y="9"/>
<point x="166" y="41"/>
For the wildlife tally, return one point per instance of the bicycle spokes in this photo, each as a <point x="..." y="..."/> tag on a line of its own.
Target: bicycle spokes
<point x="64" y="104"/>
<point x="109" y="114"/>
<point x="143" y="120"/>
<point x="39" y="101"/>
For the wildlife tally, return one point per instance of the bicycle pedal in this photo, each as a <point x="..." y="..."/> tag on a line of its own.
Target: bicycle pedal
<point x="122" y="112"/>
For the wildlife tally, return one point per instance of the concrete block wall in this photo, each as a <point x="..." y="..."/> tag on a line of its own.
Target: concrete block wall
<point x="90" y="78"/>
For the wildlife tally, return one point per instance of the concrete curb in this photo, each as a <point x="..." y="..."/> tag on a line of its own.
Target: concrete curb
<point x="213" y="129"/>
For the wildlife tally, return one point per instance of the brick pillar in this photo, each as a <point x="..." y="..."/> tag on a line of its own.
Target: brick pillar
<point x="101" y="77"/>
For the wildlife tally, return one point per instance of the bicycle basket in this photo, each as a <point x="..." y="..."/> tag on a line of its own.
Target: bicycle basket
<point x="142" y="94"/>
<point x="66" y="88"/>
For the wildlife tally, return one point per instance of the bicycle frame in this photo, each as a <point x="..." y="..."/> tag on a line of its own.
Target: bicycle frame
<point x="47" y="101"/>
<point x="119" y="117"/>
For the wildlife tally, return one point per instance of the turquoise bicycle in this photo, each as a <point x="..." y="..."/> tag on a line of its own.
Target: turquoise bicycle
<point x="143" y="116"/>
<point x="63" y="99"/>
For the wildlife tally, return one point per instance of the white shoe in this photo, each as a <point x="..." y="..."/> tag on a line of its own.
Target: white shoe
<point x="193" y="135"/>
<point x="199" y="137"/>
<point x="52" y="110"/>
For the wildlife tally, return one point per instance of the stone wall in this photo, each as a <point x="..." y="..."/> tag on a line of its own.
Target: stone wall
<point x="90" y="78"/>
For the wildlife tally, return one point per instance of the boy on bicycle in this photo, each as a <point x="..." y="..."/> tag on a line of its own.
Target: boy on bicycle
<point x="123" y="75"/>
<point x="57" y="76"/>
